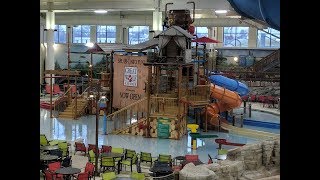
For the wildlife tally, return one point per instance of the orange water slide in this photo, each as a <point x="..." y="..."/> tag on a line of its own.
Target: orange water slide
<point x="226" y="100"/>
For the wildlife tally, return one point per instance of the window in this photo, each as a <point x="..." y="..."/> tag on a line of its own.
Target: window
<point x="235" y="36"/>
<point x="267" y="40"/>
<point x="81" y="34"/>
<point x="138" y="34"/>
<point x="200" y="32"/>
<point x="106" y="34"/>
<point x="60" y="36"/>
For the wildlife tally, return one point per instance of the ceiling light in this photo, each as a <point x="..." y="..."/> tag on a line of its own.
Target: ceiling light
<point x="100" y="11"/>
<point x="235" y="59"/>
<point x="221" y="11"/>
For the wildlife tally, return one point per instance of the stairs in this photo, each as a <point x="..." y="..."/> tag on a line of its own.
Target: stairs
<point x="268" y="63"/>
<point x="68" y="112"/>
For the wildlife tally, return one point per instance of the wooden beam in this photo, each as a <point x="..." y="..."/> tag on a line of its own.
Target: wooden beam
<point x="63" y="72"/>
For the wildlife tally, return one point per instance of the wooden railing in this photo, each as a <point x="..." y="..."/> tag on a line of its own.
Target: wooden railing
<point x="260" y="65"/>
<point x="129" y="114"/>
<point x="76" y="112"/>
<point x="197" y="93"/>
<point x="60" y="104"/>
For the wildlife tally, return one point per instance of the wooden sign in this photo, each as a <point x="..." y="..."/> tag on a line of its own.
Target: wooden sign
<point x="130" y="77"/>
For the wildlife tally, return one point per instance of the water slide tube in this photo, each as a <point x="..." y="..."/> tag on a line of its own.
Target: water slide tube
<point x="230" y="84"/>
<point x="264" y="10"/>
<point x="227" y="100"/>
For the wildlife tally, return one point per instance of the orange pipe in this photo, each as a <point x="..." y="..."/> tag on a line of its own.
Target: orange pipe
<point x="226" y="100"/>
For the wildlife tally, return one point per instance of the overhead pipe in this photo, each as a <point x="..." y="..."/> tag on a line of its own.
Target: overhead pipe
<point x="165" y="10"/>
<point x="194" y="10"/>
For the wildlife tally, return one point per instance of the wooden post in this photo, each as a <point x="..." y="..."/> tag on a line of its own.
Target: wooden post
<point x="206" y="119"/>
<point x="157" y="79"/>
<point x="76" y="97"/>
<point x="51" y="116"/>
<point x="111" y="80"/>
<point x="68" y="63"/>
<point x="179" y="98"/>
<point x="148" y="88"/>
<point x="233" y="120"/>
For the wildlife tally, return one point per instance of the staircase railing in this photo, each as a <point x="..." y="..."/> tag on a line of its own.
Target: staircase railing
<point x="275" y="56"/>
<point x="60" y="104"/>
<point x="129" y="114"/>
<point x="79" y="112"/>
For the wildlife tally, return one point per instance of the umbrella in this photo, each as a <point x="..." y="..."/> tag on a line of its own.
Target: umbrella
<point x="205" y="40"/>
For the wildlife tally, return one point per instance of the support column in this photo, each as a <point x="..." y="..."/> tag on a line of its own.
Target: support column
<point x="119" y="34"/>
<point x="157" y="18"/>
<point x="50" y="23"/>
<point x="252" y="37"/>
<point x="219" y="36"/>
<point x="70" y="33"/>
<point x="93" y="33"/>
<point x="125" y="33"/>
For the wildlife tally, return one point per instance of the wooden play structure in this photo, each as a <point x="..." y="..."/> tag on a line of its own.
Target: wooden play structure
<point x="170" y="87"/>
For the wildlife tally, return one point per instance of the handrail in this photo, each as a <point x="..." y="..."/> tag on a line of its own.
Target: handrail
<point x="60" y="98"/>
<point x="127" y="107"/>
<point x="267" y="60"/>
<point x="75" y="114"/>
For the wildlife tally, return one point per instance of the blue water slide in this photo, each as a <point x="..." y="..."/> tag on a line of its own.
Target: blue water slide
<point x="230" y="84"/>
<point x="264" y="10"/>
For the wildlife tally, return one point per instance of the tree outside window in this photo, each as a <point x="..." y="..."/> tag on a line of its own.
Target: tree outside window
<point x="106" y="34"/>
<point x="81" y="34"/>
<point x="60" y="35"/>
<point x="138" y="34"/>
<point x="266" y="40"/>
<point x="235" y="36"/>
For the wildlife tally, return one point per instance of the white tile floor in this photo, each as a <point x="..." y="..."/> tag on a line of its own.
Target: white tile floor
<point x="84" y="128"/>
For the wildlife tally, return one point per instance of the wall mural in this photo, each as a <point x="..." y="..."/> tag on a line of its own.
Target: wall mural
<point x="79" y="60"/>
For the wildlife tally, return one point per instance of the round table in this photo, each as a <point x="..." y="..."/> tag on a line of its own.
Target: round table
<point x="67" y="172"/>
<point x="49" y="148"/>
<point x="48" y="157"/>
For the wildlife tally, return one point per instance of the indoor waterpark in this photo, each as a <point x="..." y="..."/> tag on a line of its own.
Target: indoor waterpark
<point x="160" y="89"/>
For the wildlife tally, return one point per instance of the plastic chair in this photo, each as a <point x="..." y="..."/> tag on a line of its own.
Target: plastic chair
<point x="63" y="146"/>
<point x="57" y="90"/>
<point x="66" y="162"/>
<point x="92" y="156"/>
<point x="79" y="146"/>
<point x="117" y="150"/>
<point x="129" y="154"/>
<point x="89" y="169"/>
<point x="222" y="154"/>
<point x="107" y="163"/>
<point x="49" y="175"/>
<point x="106" y="149"/>
<point x="82" y="176"/>
<point x="145" y="157"/>
<point x="130" y="162"/>
<point x="43" y="140"/>
<point x="94" y="148"/>
<point x="137" y="176"/>
<point x="165" y="158"/>
<point x="109" y="176"/>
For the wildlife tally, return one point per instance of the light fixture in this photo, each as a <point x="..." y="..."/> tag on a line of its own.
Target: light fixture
<point x="89" y="44"/>
<point x="100" y="11"/>
<point x="220" y="11"/>
<point x="91" y="96"/>
<point x="90" y="65"/>
<point x="103" y="97"/>
<point x="235" y="59"/>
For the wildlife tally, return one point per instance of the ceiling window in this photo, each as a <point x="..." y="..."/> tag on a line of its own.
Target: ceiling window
<point x="235" y="36"/>
<point x="266" y="39"/>
<point x="81" y="34"/>
<point x="106" y="34"/>
<point x="138" y="34"/>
